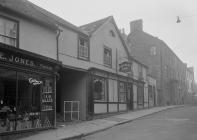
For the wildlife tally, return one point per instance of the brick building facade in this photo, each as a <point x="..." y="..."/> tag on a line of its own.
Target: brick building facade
<point x="163" y="63"/>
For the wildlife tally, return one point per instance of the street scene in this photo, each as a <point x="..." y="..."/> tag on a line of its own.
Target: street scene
<point x="98" y="70"/>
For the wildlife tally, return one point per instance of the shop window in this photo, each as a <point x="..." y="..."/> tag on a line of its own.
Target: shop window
<point x="7" y="100"/>
<point x="100" y="87"/>
<point x="122" y="92"/>
<point x="28" y="107"/>
<point x="140" y="95"/>
<point x="8" y="31"/>
<point x="113" y="90"/>
<point x="26" y="101"/>
<point x="150" y="92"/>
<point x="107" y="56"/>
<point x="83" y="52"/>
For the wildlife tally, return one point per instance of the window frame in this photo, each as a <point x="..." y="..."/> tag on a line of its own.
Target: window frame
<point x="140" y="95"/>
<point x="112" y="34"/>
<point x="17" y="34"/>
<point x="104" y="57"/>
<point x="79" y="47"/>
<point x="153" y="51"/>
<point x="104" y="82"/>
<point x="122" y="92"/>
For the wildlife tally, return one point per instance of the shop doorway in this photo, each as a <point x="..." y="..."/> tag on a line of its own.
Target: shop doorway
<point x="71" y="88"/>
<point x="130" y="97"/>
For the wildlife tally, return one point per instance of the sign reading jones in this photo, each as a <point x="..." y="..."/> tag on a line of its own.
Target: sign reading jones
<point x="23" y="61"/>
<point x="125" y="67"/>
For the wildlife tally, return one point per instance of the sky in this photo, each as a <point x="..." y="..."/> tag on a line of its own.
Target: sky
<point x="159" y="19"/>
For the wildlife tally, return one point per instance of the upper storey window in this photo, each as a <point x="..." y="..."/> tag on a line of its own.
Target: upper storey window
<point x="112" y="33"/>
<point x="83" y="49"/>
<point x="107" y="56"/>
<point x="8" y="31"/>
<point x="153" y="50"/>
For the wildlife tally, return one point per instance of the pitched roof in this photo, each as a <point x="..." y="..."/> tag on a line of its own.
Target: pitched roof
<point x="25" y="8"/>
<point x="90" y="28"/>
<point x="30" y="10"/>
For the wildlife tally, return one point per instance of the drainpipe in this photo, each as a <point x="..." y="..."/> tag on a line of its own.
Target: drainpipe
<point x="57" y="42"/>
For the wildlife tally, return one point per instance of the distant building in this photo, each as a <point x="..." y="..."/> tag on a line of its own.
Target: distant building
<point x="152" y="91"/>
<point x="168" y="70"/>
<point x="190" y="80"/>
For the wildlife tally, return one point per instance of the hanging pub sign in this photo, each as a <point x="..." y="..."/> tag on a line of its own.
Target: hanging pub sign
<point x="14" y="58"/>
<point x="125" y="67"/>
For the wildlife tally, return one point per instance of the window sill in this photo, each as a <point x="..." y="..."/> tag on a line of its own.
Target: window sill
<point x="83" y="58"/>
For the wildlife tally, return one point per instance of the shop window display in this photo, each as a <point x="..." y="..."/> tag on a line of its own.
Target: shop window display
<point x="140" y="95"/>
<point x="100" y="86"/>
<point x="26" y="101"/>
<point x="7" y="100"/>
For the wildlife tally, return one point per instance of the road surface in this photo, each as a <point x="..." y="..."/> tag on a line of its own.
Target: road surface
<point x="174" y="124"/>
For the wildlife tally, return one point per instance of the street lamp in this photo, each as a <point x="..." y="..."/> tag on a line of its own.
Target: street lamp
<point x="178" y="19"/>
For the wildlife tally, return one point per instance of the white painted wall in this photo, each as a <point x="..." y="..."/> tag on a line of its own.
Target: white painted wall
<point x="100" y="108"/>
<point x="102" y="38"/>
<point x="135" y="96"/>
<point x="135" y="70"/>
<point x="35" y="38"/>
<point x="122" y="107"/>
<point x="113" y="107"/>
<point x="144" y="72"/>
<point x="146" y="95"/>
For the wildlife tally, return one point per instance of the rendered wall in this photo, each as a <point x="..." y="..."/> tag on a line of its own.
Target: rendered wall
<point x="135" y="96"/>
<point x="36" y="38"/>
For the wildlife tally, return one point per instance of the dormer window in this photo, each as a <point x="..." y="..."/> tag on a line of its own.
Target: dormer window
<point x="112" y="33"/>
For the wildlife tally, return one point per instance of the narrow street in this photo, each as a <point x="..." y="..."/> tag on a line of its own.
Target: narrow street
<point x="173" y="124"/>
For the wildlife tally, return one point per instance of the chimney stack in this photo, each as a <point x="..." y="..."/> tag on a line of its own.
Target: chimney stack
<point x="136" y="25"/>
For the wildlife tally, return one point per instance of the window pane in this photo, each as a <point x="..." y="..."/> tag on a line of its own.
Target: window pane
<point x="122" y="92"/>
<point x="113" y="93"/>
<point x="47" y="96"/>
<point x="100" y="89"/>
<point x="83" y="49"/>
<point x="7" y="100"/>
<point x="140" y="95"/>
<point x="29" y="88"/>
<point x="107" y="56"/>
<point x="8" y="32"/>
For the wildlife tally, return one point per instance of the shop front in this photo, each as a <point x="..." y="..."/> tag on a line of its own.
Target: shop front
<point x="27" y="90"/>
<point x="109" y="93"/>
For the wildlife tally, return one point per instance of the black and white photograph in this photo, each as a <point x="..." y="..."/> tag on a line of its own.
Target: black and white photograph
<point x="98" y="70"/>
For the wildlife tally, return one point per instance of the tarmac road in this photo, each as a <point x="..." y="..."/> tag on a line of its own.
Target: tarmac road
<point x="172" y="124"/>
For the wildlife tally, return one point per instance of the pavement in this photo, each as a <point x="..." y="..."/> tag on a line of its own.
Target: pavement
<point x="85" y="128"/>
